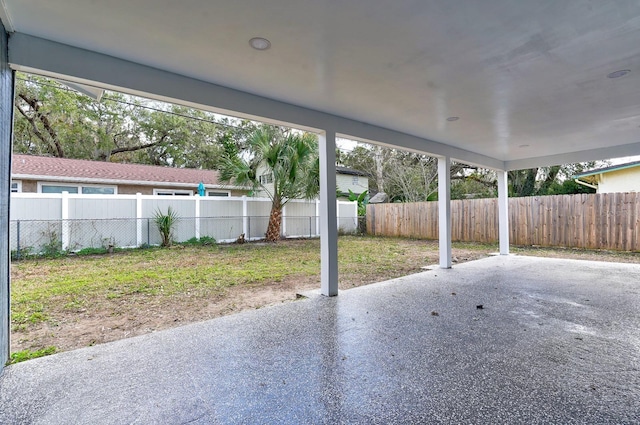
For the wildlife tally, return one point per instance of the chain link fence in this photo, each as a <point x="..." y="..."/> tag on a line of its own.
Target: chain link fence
<point x="50" y="237"/>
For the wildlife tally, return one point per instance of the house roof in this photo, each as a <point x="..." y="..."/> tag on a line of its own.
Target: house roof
<point x="350" y="171"/>
<point x="42" y="168"/>
<point x="608" y="169"/>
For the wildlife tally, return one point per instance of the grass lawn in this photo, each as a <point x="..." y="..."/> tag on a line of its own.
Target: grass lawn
<point x="71" y="302"/>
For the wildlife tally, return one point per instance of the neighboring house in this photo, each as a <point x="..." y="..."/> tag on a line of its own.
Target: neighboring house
<point x="54" y="175"/>
<point x="617" y="178"/>
<point x="349" y="179"/>
<point x="346" y="179"/>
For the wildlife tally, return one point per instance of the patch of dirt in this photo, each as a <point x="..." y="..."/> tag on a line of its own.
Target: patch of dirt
<point x="110" y="320"/>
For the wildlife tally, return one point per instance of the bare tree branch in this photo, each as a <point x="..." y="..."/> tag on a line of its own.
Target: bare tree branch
<point x="33" y="103"/>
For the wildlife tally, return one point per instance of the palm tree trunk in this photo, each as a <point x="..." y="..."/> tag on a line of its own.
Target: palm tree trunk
<point x="275" y="221"/>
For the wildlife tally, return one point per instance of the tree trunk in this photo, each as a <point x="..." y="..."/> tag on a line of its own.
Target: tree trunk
<point x="275" y="221"/>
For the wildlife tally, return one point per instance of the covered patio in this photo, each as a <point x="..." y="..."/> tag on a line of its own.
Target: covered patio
<point x="498" y="84"/>
<point x="556" y="341"/>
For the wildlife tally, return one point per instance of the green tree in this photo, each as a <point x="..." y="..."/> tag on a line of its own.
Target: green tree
<point x="283" y="163"/>
<point x="403" y="176"/>
<point x="54" y="120"/>
<point x="549" y="180"/>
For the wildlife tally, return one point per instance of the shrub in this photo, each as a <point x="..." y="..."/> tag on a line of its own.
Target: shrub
<point x="166" y="223"/>
<point x="202" y="241"/>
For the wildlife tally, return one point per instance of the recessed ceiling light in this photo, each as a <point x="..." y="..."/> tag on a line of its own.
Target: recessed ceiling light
<point x="618" y="74"/>
<point x="523" y="146"/>
<point x="453" y="118"/>
<point x="260" y="43"/>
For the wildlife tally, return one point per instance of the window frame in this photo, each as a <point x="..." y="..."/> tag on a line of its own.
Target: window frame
<point x="18" y="184"/>
<point x="173" y="192"/>
<point x="223" y="193"/>
<point x="266" y="178"/>
<point x="78" y="186"/>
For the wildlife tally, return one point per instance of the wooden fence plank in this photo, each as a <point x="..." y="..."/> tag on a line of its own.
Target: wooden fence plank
<point x="593" y="221"/>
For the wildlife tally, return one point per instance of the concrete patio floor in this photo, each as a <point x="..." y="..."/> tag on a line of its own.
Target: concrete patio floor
<point x="557" y="341"/>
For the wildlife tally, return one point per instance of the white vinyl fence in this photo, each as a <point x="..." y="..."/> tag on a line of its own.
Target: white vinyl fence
<point x="73" y="222"/>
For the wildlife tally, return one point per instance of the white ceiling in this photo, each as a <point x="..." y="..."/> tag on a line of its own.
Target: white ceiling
<point x="528" y="79"/>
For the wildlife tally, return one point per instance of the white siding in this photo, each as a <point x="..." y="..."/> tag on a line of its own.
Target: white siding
<point x="346" y="182"/>
<point x="626" y="180"/>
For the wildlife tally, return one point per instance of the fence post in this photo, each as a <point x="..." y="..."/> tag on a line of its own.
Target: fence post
<point x="197" y="218"/>
<point x="317" y="217"/>
<point x="138" y="219"/>
<point x="245" y="217"/>
<point x="148" y="232"/>
<point x="18" y="241"/>
<point x="65" y="221"/>
<point x="248" y="228"/>
<point x="310" y="227"/>
<point x="283" y="230"/>
<point x="357" y="218"/>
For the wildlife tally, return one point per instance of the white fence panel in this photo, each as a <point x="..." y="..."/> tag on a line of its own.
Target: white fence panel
<point x="347" y="216"/>
<point x="92" y="207"/>
<point x="299" y="219"/>
<point x="183" y="206"/>
<point x="40" y="222"/>
<point x="258" y="210"/>
<point x="221" y="218"/>
<point x="26" y="207"/>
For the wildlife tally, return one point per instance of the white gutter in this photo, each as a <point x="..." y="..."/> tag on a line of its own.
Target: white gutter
<point x="586" y="184"/>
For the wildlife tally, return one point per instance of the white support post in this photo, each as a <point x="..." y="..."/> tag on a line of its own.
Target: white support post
<point x="138" y="219"/>
<point x="283" y="230"/>
<point x="444" y="211"/>
<point x="65" y="221"/>
<point x="197" y="217"/>
<point x="245" y="217"/>
<point x="6" y="130"/>
<point x="503" y="212"/>
<point x="328" y="216"/>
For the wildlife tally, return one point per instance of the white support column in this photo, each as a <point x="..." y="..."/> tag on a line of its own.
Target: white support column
<point x="138" y="219"/>
<point x="65" y="221"/>
<point x="328" y="216"/>
<point x="503" y="212"/>
<point x="197" y="217"/>
<point x="444" y="211"/>
<point x="6" y="130"/>
<point x="245" y="217"/>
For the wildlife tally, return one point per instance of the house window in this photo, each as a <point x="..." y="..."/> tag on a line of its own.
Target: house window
<point x="218" y="193"/>
<point x="16" y="186"/>
<point x="171" y="192"/>
<point x="98" y="190"/>
<point x="354" y="180"/>
<point x="266" y="178"/>
<point x="85" y="190"/>
<point x="51" y="188"/>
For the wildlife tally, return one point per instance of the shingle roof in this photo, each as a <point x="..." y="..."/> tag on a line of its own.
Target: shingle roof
<point x="42" y="167"/>
<point x="350" y="171"/>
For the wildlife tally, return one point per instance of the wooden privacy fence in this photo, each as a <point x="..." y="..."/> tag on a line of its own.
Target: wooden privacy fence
<point x="593" y="221"/>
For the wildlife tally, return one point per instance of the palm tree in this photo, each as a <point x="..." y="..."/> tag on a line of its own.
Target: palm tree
<point x="281" y="162"/>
